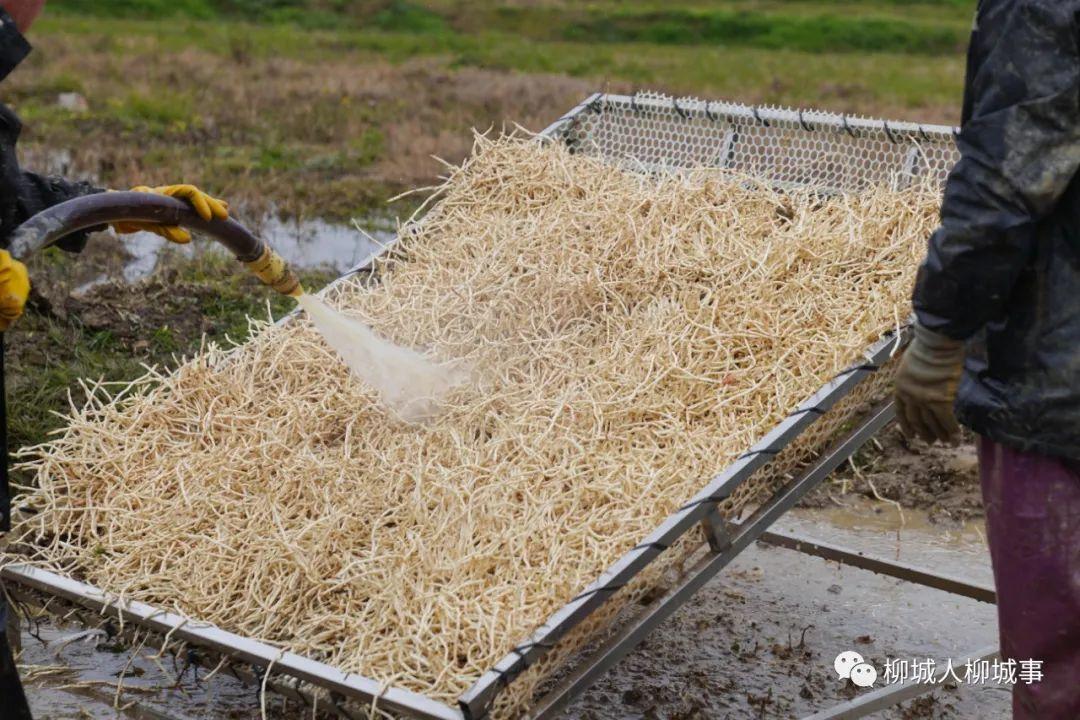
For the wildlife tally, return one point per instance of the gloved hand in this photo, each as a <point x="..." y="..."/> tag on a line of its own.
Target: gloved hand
<point x="926" y="386"/>
<point x="14" y="288"/>
<point x="207" y="207"/>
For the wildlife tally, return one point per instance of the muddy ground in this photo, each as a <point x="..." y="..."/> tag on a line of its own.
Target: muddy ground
<point x="759" y="640"/>
<point x="942" y="480"/>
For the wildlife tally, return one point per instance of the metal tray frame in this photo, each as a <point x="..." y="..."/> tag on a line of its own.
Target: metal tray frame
<point x="724" y="542"/>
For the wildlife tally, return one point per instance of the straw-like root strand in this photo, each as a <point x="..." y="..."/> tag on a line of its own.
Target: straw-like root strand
<point x="629" y="336"/>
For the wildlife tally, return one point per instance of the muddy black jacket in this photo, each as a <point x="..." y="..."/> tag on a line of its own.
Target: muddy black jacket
<point x="1003" y="269"/>
<point x="22" y="194"/>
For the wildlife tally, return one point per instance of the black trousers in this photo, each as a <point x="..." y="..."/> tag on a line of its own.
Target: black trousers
<point x="13" y="705"/>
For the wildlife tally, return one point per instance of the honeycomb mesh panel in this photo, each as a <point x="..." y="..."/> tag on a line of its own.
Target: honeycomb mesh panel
<point x="837" y="153"/>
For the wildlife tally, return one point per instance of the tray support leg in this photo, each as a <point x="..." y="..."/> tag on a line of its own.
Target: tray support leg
<point x="630" y="635"/>
<point x="716" y="531"/>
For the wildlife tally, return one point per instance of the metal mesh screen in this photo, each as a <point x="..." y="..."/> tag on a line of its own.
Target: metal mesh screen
<point x="837" y="153"/>
<point x="656" y="133"/>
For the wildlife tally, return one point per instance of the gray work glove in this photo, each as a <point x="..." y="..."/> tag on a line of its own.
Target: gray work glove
<point x="926" y="386"/>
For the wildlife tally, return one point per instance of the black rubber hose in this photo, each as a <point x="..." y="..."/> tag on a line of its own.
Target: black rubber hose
<point x="58" y="221"/>
<point x="89" y="211"/>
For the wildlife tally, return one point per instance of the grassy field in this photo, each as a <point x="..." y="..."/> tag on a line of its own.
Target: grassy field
<point x="329" y="107"/>
<point x="814" y="26"/>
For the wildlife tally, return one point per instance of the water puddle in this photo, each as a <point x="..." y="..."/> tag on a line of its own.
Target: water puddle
<point x="317" y="243"/>
<point x="77" y="678"/>
<point x="304" y="243"/>
<point x="907" y="536"/>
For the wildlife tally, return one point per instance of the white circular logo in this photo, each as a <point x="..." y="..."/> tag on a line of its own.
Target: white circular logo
<point x="864" y="675"/>
<point x="845" y="661"/>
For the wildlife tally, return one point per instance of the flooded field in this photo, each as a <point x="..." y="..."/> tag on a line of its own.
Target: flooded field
<point x="757" y="642"/>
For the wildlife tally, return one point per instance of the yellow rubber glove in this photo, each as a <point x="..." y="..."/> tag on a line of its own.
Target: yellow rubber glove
<point x="14" y="288"/>
<point x="207" y="207"/>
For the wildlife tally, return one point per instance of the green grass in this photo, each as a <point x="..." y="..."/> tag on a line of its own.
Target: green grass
<point x="818" y="33"/>
<point x="899" y="26"/>
<point x="142" y="111"/>
<point x="400" y="16"/>
<point x="203" y="9"/>
<point x="780" y="75"/>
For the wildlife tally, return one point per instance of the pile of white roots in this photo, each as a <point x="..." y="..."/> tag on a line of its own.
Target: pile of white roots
<point x="626" y="338"/>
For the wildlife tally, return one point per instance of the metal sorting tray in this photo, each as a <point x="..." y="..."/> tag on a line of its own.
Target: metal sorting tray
<point x="649" y="133"/>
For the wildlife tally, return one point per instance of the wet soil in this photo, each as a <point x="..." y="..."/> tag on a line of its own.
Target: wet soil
<point x="759" y="640"/>
<point x="94" y="291"/>
<point x="130" y="313"/>
<point x="67" y="675"/>
<point x="942" y="480"/>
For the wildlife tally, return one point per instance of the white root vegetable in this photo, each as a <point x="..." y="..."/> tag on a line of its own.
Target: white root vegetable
<point x="629" y="336"/>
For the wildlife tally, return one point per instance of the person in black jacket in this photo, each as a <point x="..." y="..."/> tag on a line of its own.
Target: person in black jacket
<point x="997" y="302"/>
<point x="23" y="194"/>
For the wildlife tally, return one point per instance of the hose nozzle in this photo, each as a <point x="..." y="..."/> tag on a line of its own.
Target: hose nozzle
<point x="275" y="273"/>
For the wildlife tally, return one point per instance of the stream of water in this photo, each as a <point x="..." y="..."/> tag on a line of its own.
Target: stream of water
<point x="408" y="383"/>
